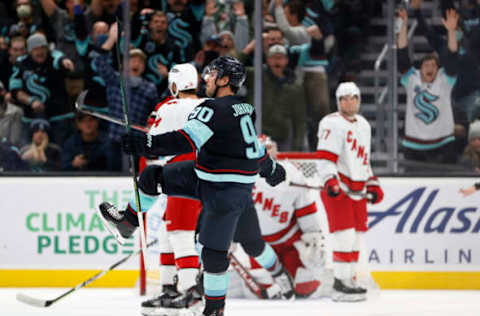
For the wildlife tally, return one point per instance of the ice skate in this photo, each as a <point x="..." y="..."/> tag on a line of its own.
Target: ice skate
<point x="343" y="292"/>
<point x="214" y="312"/>
<point x="156" y="306"/>
<point x="285" y="281"/>
<point x="115" y="221"/>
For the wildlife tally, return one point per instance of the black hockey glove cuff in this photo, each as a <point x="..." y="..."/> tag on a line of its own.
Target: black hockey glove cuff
<point x="273" y="172"/>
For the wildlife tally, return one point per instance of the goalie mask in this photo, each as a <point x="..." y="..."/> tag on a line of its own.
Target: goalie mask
<point x="347" y="88"/>
<point x="184" y="76"/>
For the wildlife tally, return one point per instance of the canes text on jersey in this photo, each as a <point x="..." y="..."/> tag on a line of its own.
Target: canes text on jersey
<point x="357" y="147"/>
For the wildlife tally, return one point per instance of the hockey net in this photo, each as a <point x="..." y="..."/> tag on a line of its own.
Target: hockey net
<point x="149" y="281"/>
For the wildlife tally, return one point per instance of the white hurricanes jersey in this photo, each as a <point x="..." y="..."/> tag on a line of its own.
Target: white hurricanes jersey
<point x="344" y="151"/>
<point x="429" y="116"/>
<point x="171" y="116"/>
<point x="283" y="210"/>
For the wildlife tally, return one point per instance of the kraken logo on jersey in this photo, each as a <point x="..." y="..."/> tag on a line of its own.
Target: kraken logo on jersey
<point x="423" y="101"/>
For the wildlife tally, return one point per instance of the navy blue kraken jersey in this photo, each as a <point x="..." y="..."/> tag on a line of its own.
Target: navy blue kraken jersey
<point x="224" y="136"/>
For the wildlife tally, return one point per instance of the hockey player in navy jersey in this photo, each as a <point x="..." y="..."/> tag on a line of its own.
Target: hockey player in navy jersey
<point x="229" y="159"/>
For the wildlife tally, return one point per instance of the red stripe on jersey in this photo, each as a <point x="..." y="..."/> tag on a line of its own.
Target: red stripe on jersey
<point x="194" y="148"/>
<point x="183" y="157"/>
<point x="323" y="154"/>
<point x="351" y="184"/>
<point x="187" y="262"/>
<point x="264" y="157"/>
<point x="224" y="170"/>
<point x="167" y="259"/>
<point x="215" y="298"/>
<point x="339" y="256"/>
<point x="307" y="210"/>
<point x="163" y="102"/>
<point x="142" y="164"/>
<point x="280" y="234"/>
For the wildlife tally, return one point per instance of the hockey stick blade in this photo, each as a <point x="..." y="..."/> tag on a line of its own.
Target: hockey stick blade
<point x="46" y="303"/>
<point x="33" y="301"/>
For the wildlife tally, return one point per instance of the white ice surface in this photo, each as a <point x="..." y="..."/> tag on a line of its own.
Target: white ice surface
<point x="123" y="302"/>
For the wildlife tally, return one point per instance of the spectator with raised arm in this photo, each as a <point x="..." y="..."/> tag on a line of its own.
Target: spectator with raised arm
<point x="289" y="17"/>
<point x="429" y="123"/>
<point x="61" y="21"/>
<point x="234" y="39"/>
<point x="466" y="92"/>
<point x="143" y="94"/>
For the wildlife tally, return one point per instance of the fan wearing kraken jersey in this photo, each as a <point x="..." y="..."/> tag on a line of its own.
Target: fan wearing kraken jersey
<point x="429" y="121"/>
<point x="345" y="172"/>
<point x="229" y="159"/>
<point x="161" y="51"/>
<point x="178" y="255"/>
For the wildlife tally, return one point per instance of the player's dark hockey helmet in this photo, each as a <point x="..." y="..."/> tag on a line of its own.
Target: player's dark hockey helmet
<point x="227" y="66"/>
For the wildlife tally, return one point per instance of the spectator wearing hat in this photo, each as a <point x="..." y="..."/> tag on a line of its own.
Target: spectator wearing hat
<point x="283" y="101"/>
<point x="10" y="120"/>
<point x="471" y="155"/>
<point x="161" y="51"/>
<point x="37" y="84"/>
<point x="40" y="154"/>
<point x="142" y="93"/>
<point x="88" y="149"/>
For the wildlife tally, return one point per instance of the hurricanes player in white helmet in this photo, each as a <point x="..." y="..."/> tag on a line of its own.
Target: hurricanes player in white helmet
<point x="176" y="241"/>
<point x="290" y="223"/>
<point x="343" y="150"/>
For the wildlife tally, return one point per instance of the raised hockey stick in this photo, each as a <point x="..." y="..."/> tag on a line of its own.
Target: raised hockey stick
<point x="84" y="108"/>
<point x="252" y="284"/>
<point x="45" y="303"/>
<point x="123" y="90"/>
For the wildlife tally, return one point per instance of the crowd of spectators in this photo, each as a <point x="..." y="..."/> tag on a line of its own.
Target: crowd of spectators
<point x="51" y="50"/>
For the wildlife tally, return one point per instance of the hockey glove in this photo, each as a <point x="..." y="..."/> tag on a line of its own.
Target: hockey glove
<point x="135" y="143"/>
<point x="276" y="176"/>
<point x="332" y="187"/>
<point x="374" y="194"/>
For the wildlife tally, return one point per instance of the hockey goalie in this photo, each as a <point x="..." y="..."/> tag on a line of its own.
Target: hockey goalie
<point x="290" y="223"/>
